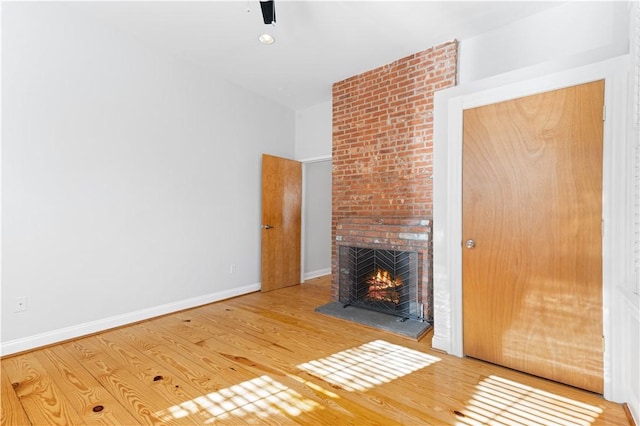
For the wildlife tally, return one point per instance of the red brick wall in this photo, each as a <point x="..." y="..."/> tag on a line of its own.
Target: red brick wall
<point x="382" y="138"/>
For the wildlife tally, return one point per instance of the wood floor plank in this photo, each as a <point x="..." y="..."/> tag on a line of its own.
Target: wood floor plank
<point x="40" y="396"/>
<point x="268" y="358"/>
<point x="304" y="337"/>
<point x="173" y="372"/>
<point x="255" y="368"/>
<point x="246" y="374"/>
<point x="142" y="399"/>
<point x="286" y="374"/>
<point x="231" y="373"/>
<point x="85" y="394"/>
<point x="262" y="365"/>
<point x="247" y="340"/>
<point x="237" y="380"/>
<point x="205" y="370"/>
<point x="11" y="411"/>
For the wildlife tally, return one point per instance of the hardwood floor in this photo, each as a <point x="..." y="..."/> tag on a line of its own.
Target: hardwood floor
<point x="268" y="358"/>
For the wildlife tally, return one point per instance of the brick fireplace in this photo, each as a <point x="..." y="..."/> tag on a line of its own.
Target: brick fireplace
<point x="382" y="159"/>
<point x="399" y="235"/>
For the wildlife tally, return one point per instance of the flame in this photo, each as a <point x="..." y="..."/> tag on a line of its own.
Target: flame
<point x="383" y="280"/>
<point x="382" y="287"/>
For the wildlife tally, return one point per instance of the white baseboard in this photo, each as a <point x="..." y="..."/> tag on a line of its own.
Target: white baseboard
<point x="75" y="331"/>
<point x="440" y="343"/>
<point x="318" y="273"/>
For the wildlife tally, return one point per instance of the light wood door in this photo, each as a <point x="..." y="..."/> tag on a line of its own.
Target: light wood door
<point x="281" y="221"/>
<point x="532" y="204"/>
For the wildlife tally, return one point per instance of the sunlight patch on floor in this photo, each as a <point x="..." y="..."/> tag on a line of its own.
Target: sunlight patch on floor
<point x="260" y="397"/>
<point x="369" y="365"/>
<point x="503" y="402"/>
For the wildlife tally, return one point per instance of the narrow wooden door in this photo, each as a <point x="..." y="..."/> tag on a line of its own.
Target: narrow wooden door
<point x="281" y="221"/>
<point x="532" y="234"/>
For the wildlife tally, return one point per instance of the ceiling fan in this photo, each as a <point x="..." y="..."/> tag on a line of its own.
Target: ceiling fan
<point x="268" y="11"/>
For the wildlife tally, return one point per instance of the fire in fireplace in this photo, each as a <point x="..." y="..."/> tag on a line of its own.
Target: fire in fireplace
<point x="381" y="280"/>
<point x="383" y="287"/>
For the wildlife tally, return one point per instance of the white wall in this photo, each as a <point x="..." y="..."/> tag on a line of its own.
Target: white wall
<point x="130" y="181"/>
<point x="317" y="219"/>
<point x="575" y="31"/>
<point x="314" y="132"/>
<point x="314" y="129"/>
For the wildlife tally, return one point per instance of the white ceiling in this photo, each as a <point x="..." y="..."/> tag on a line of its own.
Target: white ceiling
<point x="317" y="42"/>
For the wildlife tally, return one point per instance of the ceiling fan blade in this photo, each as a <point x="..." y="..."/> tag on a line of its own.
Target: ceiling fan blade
<point x="268" y="11"/>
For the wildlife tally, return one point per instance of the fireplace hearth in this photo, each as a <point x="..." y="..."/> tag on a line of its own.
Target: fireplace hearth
<point x="380" y="280"/>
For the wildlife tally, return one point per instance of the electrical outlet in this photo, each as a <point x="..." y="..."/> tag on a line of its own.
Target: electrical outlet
<point x="21" y="304"/>
<point x="232" y="268"/>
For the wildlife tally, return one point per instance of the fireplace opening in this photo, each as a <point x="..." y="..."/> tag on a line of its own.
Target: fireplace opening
<point x="380" y="280"/>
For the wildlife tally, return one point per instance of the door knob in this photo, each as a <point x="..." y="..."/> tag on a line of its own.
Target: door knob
<point x="267" y="226"/>
<point x="470" y="244"/>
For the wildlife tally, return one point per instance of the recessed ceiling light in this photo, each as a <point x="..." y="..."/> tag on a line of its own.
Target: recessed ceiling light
<point x="266" y="39"/>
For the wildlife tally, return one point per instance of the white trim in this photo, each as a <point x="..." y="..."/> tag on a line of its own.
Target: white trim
<point x="303" y="221"/>
<point x="632" y="395"/>
<point x="72" y="332"/>
<point x="316" y="159"/>
<point x="449" y="105"/>
<point x="316" y="274"/>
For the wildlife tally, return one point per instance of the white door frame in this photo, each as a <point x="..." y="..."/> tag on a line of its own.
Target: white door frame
<point x="447" y="190"/>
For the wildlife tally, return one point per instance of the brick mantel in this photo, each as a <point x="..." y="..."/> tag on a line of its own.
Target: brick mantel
<point x="390" y="233"/>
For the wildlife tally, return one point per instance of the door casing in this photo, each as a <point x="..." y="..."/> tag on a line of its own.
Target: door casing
<point x="449" y="106"/>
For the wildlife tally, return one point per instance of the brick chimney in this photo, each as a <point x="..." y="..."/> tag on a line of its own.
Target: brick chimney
<point x="382" y="154"/>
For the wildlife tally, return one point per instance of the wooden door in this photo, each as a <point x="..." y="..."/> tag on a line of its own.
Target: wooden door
<point x="281" y="221"/>
<point x="532" y="204"/>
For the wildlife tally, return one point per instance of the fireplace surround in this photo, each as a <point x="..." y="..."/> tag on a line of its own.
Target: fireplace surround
<point x="399" y="247"/>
